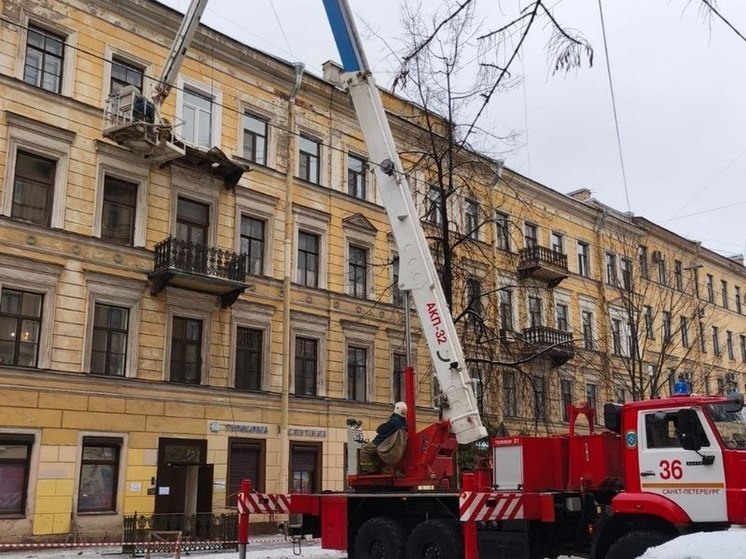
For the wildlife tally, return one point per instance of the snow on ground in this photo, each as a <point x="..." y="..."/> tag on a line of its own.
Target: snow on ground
<point x="711" y="545"/>
<point x="260" y="548"/>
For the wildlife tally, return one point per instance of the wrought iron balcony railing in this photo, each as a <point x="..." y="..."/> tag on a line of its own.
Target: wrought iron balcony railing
<point x="543" y="263"/>
<point x="559" y="343"/>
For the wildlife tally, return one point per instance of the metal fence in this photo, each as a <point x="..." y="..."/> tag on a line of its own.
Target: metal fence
<point x="199" y="532"/>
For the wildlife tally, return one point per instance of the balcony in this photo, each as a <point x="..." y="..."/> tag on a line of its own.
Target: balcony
<point x="199" y="268"/>
<point x="543" y="264"/>
<point x="555" y="344"/>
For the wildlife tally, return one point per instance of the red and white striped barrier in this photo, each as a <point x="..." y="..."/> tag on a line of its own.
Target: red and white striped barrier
<point x="263" y="503"/>
<point x="49" y="545"/>
<point x="475" y="507"/>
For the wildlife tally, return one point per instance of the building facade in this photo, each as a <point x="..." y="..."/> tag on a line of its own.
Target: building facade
<point x="169" y="329"/>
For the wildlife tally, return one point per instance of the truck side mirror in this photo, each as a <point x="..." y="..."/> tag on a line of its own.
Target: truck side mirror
<point x="688" y="429"/>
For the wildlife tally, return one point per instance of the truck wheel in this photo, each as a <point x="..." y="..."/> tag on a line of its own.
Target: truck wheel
<point x="380" y="538"/>
<point x="634" y="544"/>
<point x="438" y="538"/>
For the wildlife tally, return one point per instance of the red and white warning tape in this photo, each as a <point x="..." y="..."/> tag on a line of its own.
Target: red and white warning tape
<point x="43" y="545"/>
<point x="490" y="506"/>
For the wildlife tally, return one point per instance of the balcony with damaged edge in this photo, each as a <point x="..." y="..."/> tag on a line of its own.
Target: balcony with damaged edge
<point x="199" y="267"/>
<point x="543" y="264"/>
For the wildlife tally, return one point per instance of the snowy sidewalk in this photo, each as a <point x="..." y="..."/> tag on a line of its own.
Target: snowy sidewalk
<point x="268" y="547"/>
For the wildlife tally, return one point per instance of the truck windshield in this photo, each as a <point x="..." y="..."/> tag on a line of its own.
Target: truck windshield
<point x="730" y="425"/>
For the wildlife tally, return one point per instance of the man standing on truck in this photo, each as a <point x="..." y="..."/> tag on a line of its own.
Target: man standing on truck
<point x="396" y="427"/>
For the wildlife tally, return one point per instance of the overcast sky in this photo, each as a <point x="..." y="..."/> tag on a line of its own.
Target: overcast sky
<point x="680" y="86"/>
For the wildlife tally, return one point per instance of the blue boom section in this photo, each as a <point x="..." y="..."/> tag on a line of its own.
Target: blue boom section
<point x="345" y="36"/>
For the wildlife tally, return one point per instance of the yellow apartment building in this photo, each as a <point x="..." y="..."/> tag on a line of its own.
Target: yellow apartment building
<point x="168" y="329"/>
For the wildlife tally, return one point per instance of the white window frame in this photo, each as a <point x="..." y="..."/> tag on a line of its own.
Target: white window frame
<point x="314" y="137"/>
<point x="397" y="344"/>
<point x="120" y="164"/>
<point x="258" y="206"/>
<point x="265" y="114"/>
<point x="544" y="320"/>
<point x="189" y="304"/>
<point x="216" y="110"/>
<point x="362" y="336"/>
<point x="69" y="56"/>
<point x="562" y="297"/>
<point x="588" y="305"/>
<point x="311" y="221"/>
<point x="119" y="292"/>
<point x="110" y="52"/>
<point x="624" y="333"/>
<point x="191" y="185"/>
<point x="258" y="317"/>
<point x="121" y="477"/>
<point x="365" y="240"/>
<point x="35" y="277"/>
<point x="315" y="327"/>
<point x="44" y="140"/>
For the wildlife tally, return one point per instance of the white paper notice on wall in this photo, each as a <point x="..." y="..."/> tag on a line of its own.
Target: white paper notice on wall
<point x="219" y="483"/>
<point x="135" y="487"/>
<point x="164" y="491"/>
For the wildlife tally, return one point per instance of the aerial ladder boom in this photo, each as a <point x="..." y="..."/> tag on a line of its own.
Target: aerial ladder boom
<point x="417" y="273"/>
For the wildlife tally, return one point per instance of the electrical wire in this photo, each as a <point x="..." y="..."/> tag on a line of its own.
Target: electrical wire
<point x="614" y="105"/>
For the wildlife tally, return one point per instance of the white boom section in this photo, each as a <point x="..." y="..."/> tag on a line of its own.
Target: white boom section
<point x="176" y="55"/>
<point x="417" y="272"/>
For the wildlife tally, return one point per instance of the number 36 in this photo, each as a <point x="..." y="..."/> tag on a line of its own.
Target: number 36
<point x="671" y="469"/>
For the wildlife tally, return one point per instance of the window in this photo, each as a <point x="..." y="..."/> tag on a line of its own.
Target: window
<point x="558" y="242"/>
<point x="20" y="327"/>
<point x="642" y="255"/>
<point x="309" y="157"/>
<point x="358" y="272"/>
<point x="123" y="74"/>
<point x="356" y="173"/>
<point x="611" y="273"/>
<point x="248" y="358"/>
<point x="534" y="311"/>
<point x="729" y="344"/>
<point x="710" y="288"/>
<point x="661" y="432"/>
<point x="626" y="264"/>
<point x="738" y="299"/>
<point x="502" y="231"/>
<point x="662" y="274"/>
<point x="99" y="474"/>
<point x="305" y="468"/>
<point x="716" y="340"/>
<point x="471" y="218"/>
<point x="649" y="323"/>
<point x="357" y="364"/>
<point x="743" y="348"/>
<point x="530" y="235"/>
<point x="620" y="394"/>
<point x="306" y="366"/>
<point x="678" y="275"/>
<point x="584" y="259"/>
<point x="308" y="259"/>
<point x="33" y="188"/>
<point x="539" y="391"/>
<point x="397" y="297"/>
<point x="246" y="459"/>
<point x="510" y="396"/>
<point x="586" y="318"/>
<point x="118" y="211"/>
<point x="15" y="461"/>
<point x="591" y="396"/>
<point x="616" y="336"/>
<point x="400" y="364"/>
<point x="724" y="293"/>
<point x="192" y="223"/>
<point x="433" y="213"/>
<point x="109" y="347"/>
<point x="252" y="244"/>
<point x="506" y="310"/>
<point x="667" y="337"/>
<point x="562" y="314"/>
<point x="684" y="327"/>
<point x="474" y="296"/>
<point x="197" y="116"/>
<point x="45" y="54"/>
<point x="186" y="350"/>
<point x="702" y="340"/>
<point x="255" y="139"/>
<point x="565" y="398"/>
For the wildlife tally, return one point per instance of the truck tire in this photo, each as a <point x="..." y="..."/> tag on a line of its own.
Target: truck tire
<point x="634" y="544"/>
<point x="380" y="538"/>
<point x="438" y="538"/>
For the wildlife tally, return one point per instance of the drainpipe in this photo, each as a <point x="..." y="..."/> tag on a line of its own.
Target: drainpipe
<point x="286" y="284"/>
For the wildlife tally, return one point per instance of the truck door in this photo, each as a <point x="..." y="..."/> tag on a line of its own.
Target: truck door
<point x="681" y="475"/>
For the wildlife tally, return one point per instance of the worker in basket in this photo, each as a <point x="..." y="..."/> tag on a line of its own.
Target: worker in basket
<point x="389" y="443"/>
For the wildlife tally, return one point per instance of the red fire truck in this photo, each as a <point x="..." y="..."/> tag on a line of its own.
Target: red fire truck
<point x="659" y="468"/>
